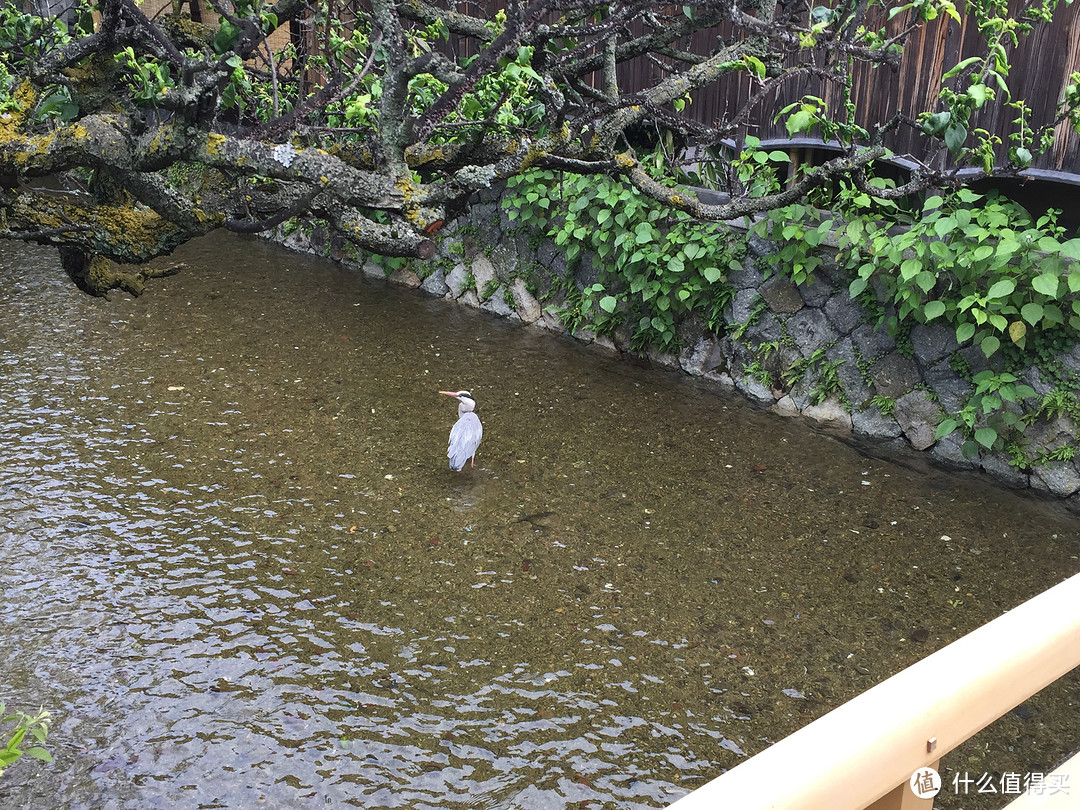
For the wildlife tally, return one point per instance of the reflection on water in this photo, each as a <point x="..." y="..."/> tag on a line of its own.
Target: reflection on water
<point x="238" y="571"/>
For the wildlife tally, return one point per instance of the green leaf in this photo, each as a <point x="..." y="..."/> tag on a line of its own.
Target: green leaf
<point x="944" y="225"/>
<point x="959" y="66"/>
<point x="964" y="332"/>
<point x="989" y="345"/>
<point x="1032" y="312"/>
<point x="933" y="309"/>
<point x="39" y="753"/>
<point x="946" y="427"/>
<point x="979" y="93"/>
<point x="608" y="303"/>
<point x="936" y="123"/>
<point x="755" y="65"/>
<point x="955" y="135"/>
<point x="909" y="268"/>
<point x="643" y="234"/>
<point x="986" y="436"/>
<point x="603" y="216"/>
<point x="926" y="281"/>
<point x="1046" y="283"/>
<point x="798" y="122"/>
<point x="1001" y="288"/>
<point x="712" y="274"/>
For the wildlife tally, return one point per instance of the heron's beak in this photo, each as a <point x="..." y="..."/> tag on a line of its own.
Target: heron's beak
<point x="449" y="394"/>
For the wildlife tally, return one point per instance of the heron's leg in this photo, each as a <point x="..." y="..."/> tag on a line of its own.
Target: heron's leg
<point x="472" y="461"/>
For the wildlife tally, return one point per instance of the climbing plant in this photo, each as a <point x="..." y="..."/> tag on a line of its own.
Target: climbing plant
<point x="654" y="265"/>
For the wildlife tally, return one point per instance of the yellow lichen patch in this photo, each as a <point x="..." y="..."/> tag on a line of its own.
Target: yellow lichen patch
<point x="419" y="154"/>
<point x="13" y="120"/>
<point x="215" y="143"/>
<point x="406" y="187"/>
<point x="676" y="199"/>
<point x="625" y="161"/>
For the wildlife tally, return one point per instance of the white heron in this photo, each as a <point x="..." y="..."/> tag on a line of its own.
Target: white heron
<point x="467" y="431"/>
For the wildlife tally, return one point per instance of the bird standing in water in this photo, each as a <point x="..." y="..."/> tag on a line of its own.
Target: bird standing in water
<point x="466" y="433"/>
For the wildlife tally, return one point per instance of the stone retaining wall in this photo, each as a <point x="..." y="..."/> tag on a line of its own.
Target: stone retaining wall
<point x="855" y="378"/>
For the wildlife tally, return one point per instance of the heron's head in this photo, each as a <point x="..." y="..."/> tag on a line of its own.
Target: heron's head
<point x="464" y="397"/>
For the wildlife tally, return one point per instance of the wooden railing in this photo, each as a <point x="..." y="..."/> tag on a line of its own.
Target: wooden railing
<point x="863" y="754"/>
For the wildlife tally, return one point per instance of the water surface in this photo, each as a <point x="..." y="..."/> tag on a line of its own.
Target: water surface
<point x="238" y="571"/>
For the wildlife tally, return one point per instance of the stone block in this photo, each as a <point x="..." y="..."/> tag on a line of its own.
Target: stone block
<point x="435" y="284"/>
<point x="816" y="292"/>
<point x="455" y="280"/>
<point x="484" y="272"/>
<point x="811" y="330"/>
<point x="843" y="313"/>
<point x="894" y="374"/>
<point x="830" y="414"/>
<point x="932" y="342"/>
<point x="782" y="296"/>
<point x="1059" y="478"/>
<point x="528" y="308"/>
<point x="871" y="342"/>
<point x="405" y="277"/>
<point x="496" y="305"/>
<point x="999" y="467"/>
<point x="873" y="424"/>
<point x="918" y="417"/>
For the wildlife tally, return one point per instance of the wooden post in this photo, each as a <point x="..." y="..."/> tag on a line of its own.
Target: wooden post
<point x="902" y="797"/>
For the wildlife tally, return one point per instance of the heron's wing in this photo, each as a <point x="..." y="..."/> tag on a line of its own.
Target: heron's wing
<point x="464" y="439"/>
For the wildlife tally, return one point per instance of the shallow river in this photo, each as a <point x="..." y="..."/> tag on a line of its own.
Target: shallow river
<point x="238" y="572"/>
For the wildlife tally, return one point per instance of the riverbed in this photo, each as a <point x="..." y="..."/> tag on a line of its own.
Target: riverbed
<point x="238" y="572"/>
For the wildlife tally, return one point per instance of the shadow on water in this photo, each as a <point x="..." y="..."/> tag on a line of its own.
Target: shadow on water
<point x="239" y="573"/>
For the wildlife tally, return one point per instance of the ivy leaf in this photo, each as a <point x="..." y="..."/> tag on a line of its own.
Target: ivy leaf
<point x="1071" y="249"/>
<point x="986" y="436"/>
<point x="926" y="280"/>
<point x="1046" y="283"/>
<point x="1001" y="288"/>
<point x="1032" y="313"/>
<point x="933" y="309"/>
<point x="946" y="427"/>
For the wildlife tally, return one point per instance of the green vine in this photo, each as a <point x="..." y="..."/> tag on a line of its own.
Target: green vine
<point x="655" y="266"/>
